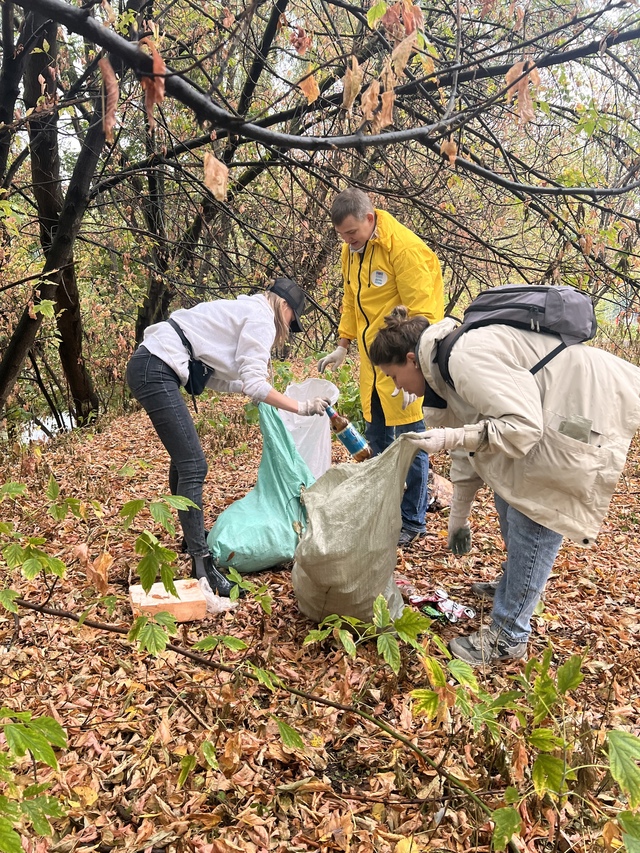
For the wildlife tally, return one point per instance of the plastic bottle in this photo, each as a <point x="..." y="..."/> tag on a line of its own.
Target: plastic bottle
<point x="348" y="435"/>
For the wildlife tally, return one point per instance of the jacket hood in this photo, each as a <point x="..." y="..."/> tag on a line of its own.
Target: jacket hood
<point x="426" y="352"/>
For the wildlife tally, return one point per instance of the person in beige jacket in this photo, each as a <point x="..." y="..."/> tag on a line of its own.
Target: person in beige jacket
<point x="551" y="446"/>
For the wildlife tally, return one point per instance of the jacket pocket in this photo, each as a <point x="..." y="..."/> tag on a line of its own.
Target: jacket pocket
<point x="564" y="464"/>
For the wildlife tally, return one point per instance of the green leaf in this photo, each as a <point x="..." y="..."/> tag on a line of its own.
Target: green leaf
<point x="168" y="622"/>
<point x="375" y="13"/>
<point x="166" y="576"/>
<point x="548" y="774"/>
<point x="14" y="555"/>
<point x="389" y="648"/>
<point x="21" y="738"/>
<point x="148" y="570"/>
<point x="161" y="514"/>
<point x="269" y="679"/>
<point x="507" y="823"/>
<point x="9" y="839"/>
<point x="545" y="740"/>
<point x="289" y="736"/>
<point x="425" y="702"/>
<point x="546" y="697"/>
<point x="209" y="752"/>
<point x="381" y="615"/>
<point x="234" y="643"/>
<point x="410" y="625"/>
<point x="511" y="795"/>
<point x="7" y="599"/>
<point x="624" y="752"/>
<point x="209" y="644"/>
<point x="630" y="825"/>
<point x="152" y="639"/>
<point x="12" y="490"/>
<point x="346" y="639"/>
<point x="316" y="636"/>
<point x="53" y="489"/>
<point x="463" y="674"/>
<point x="178" y="502"/>
<point x="569" y="674"/>
<point x="138" y="625"/>
<point x="130" y="510"/>
<point x="435" y="672"/>
<point x="186" y="766"/>
<point x="51" y="730"/>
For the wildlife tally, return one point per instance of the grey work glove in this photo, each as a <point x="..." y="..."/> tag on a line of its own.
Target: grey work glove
<point x="314" y="406"/>
<point x="459" y="533"/>
<point x="407" y="399"/>
<point x="334" y="358"/>
<point x="445" y="438"/>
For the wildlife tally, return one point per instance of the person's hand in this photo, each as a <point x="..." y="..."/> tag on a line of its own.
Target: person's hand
<point x="314" y="406"/>
<point x="334" y="358"/>
<point x="469" y="437"/>
<point x="407" y="399"/>
<point x="459" y="533"/>
<point x="459" y="541"/>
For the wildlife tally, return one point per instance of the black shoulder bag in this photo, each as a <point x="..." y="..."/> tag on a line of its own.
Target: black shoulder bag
<point x="199" y="372"/>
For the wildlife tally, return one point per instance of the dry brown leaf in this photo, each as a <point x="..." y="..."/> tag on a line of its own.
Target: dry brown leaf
<point x="310" y="88"/>
<point x="81" y="553"/>
<point x="449" y="148"/>
<point x="519" y="761"/>
<point x="111" y="15"/>
<point x="227" y="18"/>
<point x="391" y="19"/>
<point x="153" y="86"/>
<point x="112" y="91"/>
<point x="98" y="572"/>
<point x="351" y="84"/>
<point x="370" y="99"/>
<point x="487" y="6"/>
<point x="412" y="17"/>
<point x="402" y="53"/>
<point x="216" y="176"/>
<point x="384" y="116"/>
<point x="300" y="40"/>
<point x="610" y="834"/>
<point x="387" y="77"/>
<point x="518" y="85"/>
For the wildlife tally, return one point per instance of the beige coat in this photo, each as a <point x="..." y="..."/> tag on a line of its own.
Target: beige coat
<point x="558" y="481"/>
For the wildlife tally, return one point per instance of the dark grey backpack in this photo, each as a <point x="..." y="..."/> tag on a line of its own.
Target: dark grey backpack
<point x="562" y="311"/>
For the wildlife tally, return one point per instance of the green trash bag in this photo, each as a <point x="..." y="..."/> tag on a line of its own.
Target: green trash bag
<point x="259" y="530"/>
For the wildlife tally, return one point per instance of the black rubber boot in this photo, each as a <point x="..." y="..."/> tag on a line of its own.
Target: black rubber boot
<point x="202" y="567"/>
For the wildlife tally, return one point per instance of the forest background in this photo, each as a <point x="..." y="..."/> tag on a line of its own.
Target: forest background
<point x="154" y="155"/>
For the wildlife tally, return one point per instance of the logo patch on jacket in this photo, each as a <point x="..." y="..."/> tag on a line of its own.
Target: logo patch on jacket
<point x="378" y="278"/>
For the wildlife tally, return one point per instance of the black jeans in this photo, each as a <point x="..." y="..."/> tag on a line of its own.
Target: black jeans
<point x="157" y="388"/>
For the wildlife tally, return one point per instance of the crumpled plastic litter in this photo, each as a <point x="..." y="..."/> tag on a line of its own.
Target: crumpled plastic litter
<point x="436" y="604"/>
<point x="215" y="603"/>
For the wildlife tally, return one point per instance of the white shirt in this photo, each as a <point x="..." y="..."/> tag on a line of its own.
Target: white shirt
<point x="233" y="336"/>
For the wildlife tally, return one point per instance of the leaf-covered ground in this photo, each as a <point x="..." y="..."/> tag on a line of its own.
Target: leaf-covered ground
<point x="132" y="718"/>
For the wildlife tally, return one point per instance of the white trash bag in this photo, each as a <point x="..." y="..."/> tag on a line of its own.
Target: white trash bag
<point x="311" y="435"/>
<point x="348" y="552"/>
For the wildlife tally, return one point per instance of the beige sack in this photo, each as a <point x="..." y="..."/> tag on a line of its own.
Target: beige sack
<point x="348" y="552"/>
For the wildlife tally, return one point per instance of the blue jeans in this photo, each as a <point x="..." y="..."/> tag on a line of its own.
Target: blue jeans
<point x="531" y="552"/>
<point x="416" y="495"/>
<point x="157" y="388"/>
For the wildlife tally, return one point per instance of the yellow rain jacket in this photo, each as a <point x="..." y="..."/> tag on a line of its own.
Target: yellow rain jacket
<point x="394" y="268"/>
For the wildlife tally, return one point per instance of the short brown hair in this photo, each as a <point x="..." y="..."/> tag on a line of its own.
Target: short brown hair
<point x="350" y="202"/>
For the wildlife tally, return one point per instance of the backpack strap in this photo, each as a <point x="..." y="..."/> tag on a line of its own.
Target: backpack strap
<point x="544" y="361"/>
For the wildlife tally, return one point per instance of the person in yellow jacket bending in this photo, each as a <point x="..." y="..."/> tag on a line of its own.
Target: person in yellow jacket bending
<point x="384" y="264"/>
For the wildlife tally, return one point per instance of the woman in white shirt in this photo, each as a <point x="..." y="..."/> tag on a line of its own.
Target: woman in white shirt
<point x="234" y="338"/>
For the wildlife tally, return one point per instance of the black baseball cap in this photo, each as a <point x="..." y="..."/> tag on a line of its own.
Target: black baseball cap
<point x="293" y="296"/>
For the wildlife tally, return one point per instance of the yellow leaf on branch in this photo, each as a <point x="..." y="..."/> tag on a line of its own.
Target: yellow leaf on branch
<point x="449" y="148"/>
<point x="402" y="53"/>
<point x="370" y="99"/>
<point x="309" y="87"/>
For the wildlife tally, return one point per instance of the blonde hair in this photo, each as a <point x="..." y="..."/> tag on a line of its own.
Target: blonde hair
<point x="278" y="305"/>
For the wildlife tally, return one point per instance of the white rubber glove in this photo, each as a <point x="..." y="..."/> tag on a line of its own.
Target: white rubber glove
<point x="334" y="358"/>
<point x="407" y="399"/>
<point x="314" y="406"/>
<point x="445" y="438"/>
<point x="459" y="533"/>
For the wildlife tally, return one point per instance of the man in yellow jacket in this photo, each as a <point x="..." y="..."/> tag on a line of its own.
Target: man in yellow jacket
<point x="384" y="264"/>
